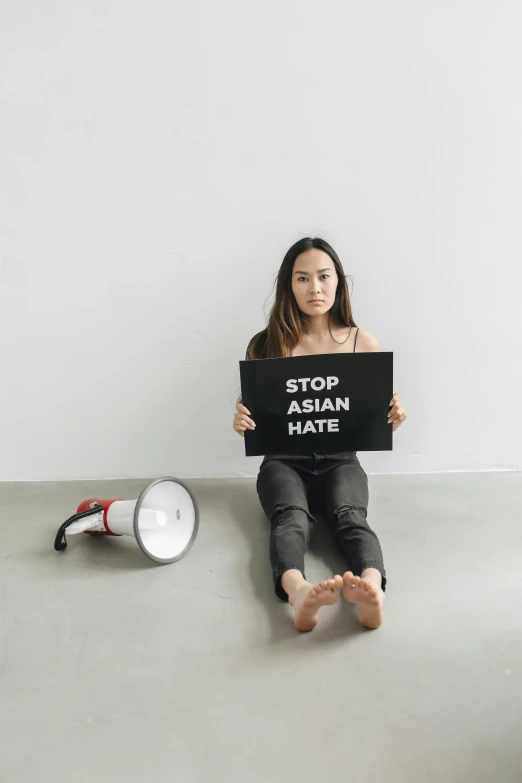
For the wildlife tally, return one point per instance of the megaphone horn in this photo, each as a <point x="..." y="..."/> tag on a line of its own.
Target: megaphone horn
<point x="164" y="520"/>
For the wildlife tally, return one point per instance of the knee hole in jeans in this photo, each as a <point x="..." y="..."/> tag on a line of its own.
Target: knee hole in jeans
<point x="346" y="510"/>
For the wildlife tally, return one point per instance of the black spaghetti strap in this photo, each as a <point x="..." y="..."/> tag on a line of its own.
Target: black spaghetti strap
<point x="355" y="341"/>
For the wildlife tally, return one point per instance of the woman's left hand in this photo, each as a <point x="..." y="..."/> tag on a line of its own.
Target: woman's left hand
<point x="397" y="414"/>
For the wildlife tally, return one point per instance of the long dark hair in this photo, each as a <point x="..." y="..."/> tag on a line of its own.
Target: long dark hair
<point x="285" y="323"/>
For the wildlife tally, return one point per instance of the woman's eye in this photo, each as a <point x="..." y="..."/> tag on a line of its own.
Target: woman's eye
<point x="302" y="279"/>
<point x="325" y="275"/>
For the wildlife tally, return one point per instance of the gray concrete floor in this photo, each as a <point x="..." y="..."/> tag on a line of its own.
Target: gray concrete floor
<point x="114" y="669"/>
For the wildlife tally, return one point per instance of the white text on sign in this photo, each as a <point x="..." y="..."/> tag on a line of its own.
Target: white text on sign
<point x="308" y="406"/>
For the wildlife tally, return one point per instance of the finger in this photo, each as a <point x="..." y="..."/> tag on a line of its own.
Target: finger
<point x="393" y="411"/>
<point x="395" y="416"/>
<point x="242" y="409"/>
<point x="245" y="426"/>
<point x="394" y="398"/>
<point x="396" y="424"/>
<point x="242" y="419"/>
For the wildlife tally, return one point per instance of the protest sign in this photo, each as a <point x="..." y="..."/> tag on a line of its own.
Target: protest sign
<point x="321" y="404"/>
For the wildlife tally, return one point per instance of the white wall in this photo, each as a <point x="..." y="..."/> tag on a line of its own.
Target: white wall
<point x="157" y="161"/>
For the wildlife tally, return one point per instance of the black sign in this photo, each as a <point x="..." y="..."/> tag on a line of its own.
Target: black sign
<point x="318" y="404"/>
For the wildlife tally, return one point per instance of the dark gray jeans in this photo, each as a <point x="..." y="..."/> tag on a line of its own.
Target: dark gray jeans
<point x="334" y="484"/>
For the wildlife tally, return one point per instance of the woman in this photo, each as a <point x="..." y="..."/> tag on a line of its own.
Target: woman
<point x="312" y="315"/>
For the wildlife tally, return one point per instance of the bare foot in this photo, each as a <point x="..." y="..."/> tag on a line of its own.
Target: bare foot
<point x="308" y="599"/>
<point x="368" y="597"/>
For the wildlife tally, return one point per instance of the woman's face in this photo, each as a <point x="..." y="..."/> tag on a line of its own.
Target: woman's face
<point x="314" y="282"/>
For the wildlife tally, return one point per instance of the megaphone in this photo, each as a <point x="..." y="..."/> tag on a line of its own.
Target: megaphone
<point x="164" y="520"/>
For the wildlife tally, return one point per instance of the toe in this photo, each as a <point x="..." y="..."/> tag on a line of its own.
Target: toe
<point x="338" y="581"/>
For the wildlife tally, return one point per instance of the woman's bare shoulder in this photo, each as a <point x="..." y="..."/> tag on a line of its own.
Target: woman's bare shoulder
<point x="366" y="342"/>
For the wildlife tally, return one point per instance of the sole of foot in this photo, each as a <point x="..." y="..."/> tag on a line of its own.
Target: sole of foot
<point x="309" y="599"/>
<point x="368" y="597"/>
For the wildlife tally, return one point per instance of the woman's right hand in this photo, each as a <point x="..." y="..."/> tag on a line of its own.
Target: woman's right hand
<point x="242" y="421"/>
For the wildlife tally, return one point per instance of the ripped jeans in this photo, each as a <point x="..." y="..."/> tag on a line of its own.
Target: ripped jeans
<point x="336" y="485"/>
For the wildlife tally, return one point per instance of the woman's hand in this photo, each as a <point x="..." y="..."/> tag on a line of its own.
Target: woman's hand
<point x="397" y="414"/>
<point x="242" y="421"/>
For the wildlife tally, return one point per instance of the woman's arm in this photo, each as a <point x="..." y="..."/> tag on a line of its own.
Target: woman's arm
<point x="242" y="420"/>
<point x="368" y="343"/>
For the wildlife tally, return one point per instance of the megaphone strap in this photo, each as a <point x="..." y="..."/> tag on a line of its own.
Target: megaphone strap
<point x="60" y="545"/>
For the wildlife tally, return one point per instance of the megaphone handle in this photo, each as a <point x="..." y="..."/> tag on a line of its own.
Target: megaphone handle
<point x="60" y="545"/>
